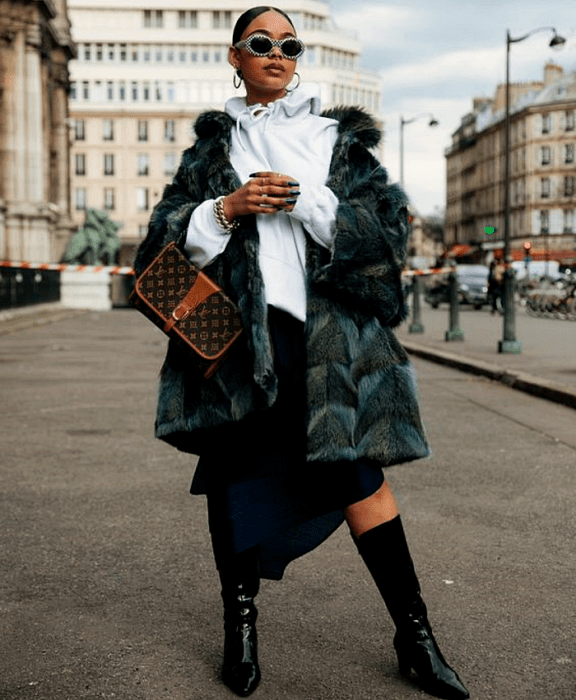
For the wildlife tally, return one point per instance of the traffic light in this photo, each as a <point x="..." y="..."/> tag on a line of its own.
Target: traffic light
<point x="527" y="247"/>
<point x="489" y="230"/>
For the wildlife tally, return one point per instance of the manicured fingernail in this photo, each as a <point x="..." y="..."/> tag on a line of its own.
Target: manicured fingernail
<point x="291" y="183"/>
<point x="294" y="192"/>
<point x="291" y="201"/>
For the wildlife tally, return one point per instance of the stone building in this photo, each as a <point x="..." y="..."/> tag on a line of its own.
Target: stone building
<point x="542" y="171"/>
<point x="146" y="70"/>
<point x="35" y="48"/>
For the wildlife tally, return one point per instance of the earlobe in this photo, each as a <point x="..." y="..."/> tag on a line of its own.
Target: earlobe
<point x="233" y="58"/>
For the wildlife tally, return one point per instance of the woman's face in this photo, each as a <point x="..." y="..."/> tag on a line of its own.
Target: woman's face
<point x="266" y="77"/>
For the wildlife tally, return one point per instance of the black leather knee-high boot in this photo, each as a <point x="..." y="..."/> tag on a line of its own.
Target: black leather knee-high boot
<point x="385" y="552"/>
<point x="240" y="578"/>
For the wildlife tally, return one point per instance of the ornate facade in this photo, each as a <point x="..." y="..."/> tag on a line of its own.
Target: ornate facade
<point x="542" y="170"/>
<point x="146" y="70"/>
<point x="35" y="48"/>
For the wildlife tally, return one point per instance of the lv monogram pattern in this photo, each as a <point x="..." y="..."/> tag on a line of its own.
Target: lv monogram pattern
<point x="210" y="328"/>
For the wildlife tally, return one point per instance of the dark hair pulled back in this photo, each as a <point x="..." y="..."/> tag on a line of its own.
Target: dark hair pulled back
<point x="250" y="15"/>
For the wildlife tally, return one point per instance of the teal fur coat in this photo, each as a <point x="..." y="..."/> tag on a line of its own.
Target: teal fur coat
<point x="361" y="389"/>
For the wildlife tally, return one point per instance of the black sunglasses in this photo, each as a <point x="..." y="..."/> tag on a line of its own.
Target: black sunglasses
<point x="262" y="45"/>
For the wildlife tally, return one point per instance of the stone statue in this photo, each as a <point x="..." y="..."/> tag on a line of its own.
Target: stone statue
<point x="96" y="243"/>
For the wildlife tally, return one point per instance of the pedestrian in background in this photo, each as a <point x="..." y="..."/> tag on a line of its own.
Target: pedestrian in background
<point x="496" y="284"/>
<point x="288" y="210"/>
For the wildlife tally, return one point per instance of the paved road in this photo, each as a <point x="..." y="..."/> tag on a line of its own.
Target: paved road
<point x="108" y="589"/>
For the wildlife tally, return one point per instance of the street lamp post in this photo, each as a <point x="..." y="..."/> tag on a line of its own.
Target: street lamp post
<point x="403" y="122"/>
<point x="509" y="343"/>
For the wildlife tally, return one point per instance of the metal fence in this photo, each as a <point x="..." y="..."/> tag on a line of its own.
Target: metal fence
<point x="25" y="287"/>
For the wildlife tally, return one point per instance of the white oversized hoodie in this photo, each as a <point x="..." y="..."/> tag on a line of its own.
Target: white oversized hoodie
<point x="287" y="136"/>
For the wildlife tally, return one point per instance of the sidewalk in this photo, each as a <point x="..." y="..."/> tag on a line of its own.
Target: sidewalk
<point x="546" y="367"/>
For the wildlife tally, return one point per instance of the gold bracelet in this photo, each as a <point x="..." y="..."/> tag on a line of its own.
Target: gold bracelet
<point x="220" y="217"/>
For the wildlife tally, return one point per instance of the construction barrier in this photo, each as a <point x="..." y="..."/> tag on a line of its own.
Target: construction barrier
<point x="98" y="287"/>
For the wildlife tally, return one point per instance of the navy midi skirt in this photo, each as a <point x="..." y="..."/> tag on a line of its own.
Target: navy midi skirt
<point x="261" y="490"/>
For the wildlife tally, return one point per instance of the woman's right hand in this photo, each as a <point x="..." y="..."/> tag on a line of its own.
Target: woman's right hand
<point x="264" y="193"/>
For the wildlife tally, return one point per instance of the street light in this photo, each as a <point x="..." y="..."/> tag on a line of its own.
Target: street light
<point x="403" y="122"/>
<point x="509" y="344"/>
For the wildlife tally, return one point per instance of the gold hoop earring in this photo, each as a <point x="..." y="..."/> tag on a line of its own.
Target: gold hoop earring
<point x="237" y="75"/>
<point x="295" y="86"/>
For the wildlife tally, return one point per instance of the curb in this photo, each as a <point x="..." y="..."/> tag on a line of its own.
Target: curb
<point x="521" y="381"/>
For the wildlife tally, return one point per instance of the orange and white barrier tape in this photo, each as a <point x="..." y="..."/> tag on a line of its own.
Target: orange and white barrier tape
<point x="112" y="269"/>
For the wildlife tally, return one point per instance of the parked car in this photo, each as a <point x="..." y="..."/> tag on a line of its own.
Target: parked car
<point x="472" y="287"/>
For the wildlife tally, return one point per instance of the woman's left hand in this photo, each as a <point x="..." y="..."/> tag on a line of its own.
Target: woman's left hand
<point x="264" y="193"/>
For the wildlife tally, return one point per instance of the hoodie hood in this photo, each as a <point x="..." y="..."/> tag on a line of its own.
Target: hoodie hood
<point x="297" y="105"/>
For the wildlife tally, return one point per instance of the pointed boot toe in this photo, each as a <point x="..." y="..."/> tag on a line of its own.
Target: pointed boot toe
<point x="422" y="655"/>
<point x="242" y="678"/>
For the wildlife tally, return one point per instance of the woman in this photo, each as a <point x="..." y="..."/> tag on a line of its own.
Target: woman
<point x="293" y="216"/>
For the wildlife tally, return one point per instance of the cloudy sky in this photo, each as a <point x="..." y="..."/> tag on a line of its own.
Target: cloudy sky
<point x="435" y="56"/>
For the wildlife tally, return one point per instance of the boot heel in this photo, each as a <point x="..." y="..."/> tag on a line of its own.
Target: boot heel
<point x="404" y="665"/>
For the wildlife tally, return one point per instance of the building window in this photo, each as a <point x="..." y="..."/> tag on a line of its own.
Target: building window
<point x="134" y="91"/>
<point x="110" y="90"/>
<point x="545" y="155"/>
<point x="143" y="164"/>
<point x="122" y="90"/>
<point x="170" y="92"/>
<point x="153" y="18"/>
<point x="170" y="130"/>
<point x="85" y="90"/>
<point x="569" y="153"/>
<point x="79" y="130"/>
<point x="568" y="220"/>
<point x="142" y="198"/>
<point x="222" y="19"/>
<point x="569" y="186"/>
<point x="108" y="129"/>
<point x="108" y="198"/>
<point x="158" y="91"/>
<point x="158" y="54"/>
<point x="544" y="221"/>
<point x="546" y="123"/>
<point x="111" y="52"/>
<point x="570" y="120"/>
<point x="146" y="92"/>
<point x="80" y="164"/>
<point x="87" y="52"/>
<point x="169" y="164"/>
<point x="108" y="164"/>
<point x="80" y="198"/>
<point x="99" y="52"/>
<point x="142" y="131"/>
<point x="98" y="94"/>
<point x="73" y="92"/>
<point x="545" y="187"/>
<point x="187" y="19"/>
<point x="123" y="52"/>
